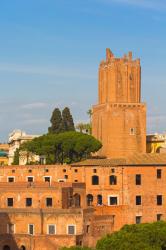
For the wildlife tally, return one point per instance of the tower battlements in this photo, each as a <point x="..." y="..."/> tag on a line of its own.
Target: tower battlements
<point x="122" y="131"/>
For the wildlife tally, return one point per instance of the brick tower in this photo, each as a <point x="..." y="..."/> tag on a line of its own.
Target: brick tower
<point x="119" y="118"/>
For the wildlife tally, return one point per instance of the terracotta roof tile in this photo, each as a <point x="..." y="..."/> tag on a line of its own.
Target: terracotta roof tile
<point x="136" y="159"/>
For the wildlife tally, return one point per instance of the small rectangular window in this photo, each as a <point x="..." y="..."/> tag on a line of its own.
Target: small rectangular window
<point x="30" y="170"/>
<point x="132" y="131"/>
<point x="158" y="173"/>
<point x="138" y="219"/>
<point x="47" y="179"/>
<point x="30" y="178"/>
<point x="28" y="202"/>
<point x="138" y="200"/>
<point x="10" y="228"/>
<point x="51" y="229"/>
<point x="113" y="180"/>
<point x="159" y="217"/>
<point x="46" y="170"/>
<point x="10" y="202"/>
<point x="49" y="202"/>
<point x="71" y="229"/>
<point x="66" y="177"/>
<point x="159" y="200"/>
<point x="31" y="229"/>
<point x="13" y="170"/>
<point x="94" y="170"/>
<point x="10" y="179"/>
<point x="138" y="179"/>
<point x="113" y="200"/>
<point x="87" y="228"/>
<point x="75" y="170"/>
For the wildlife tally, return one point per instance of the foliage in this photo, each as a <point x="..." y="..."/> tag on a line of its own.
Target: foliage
<point x="151" y="236"/>
<point x="16" y="157"/>
<point x="61" y="122"/>
<point x="65" y="147"/>
<point x="56" y="122"/>
<point x="84" y="127"/>
<point x="76" y="248"/>
<point x="67" y="120"/>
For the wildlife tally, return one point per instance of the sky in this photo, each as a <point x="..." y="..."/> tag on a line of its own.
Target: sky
<point x="50" y="51"/>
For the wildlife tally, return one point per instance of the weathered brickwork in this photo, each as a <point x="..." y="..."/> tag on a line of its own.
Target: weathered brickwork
<point x="46" y="207"/>
<point x="119" y="118"/>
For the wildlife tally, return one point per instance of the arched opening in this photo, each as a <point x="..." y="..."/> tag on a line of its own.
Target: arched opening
<point x="99" y="199"/>
<point x="23" y="248"/>
<point x="158" y="150"/>
<point x="113" y="180"/>
<point x="89" y="199"/>
<point x="6" y="247"/>
<point x="77" y="200"/>
<point x="95" y="180"/>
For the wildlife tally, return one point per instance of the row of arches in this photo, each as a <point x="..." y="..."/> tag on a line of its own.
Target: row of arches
<point x="89" y="199"/>
<point x="112" y="180"/>
<point x="6" y="247"/>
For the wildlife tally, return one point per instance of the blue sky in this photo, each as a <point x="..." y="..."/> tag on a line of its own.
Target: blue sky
<point x="50" y="51"/>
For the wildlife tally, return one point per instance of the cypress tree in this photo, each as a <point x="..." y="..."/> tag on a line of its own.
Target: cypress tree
<point x="67" y="120"/>
<point x="56" y="122"/>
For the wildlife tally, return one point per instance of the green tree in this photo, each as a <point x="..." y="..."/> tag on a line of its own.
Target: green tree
<point x="84" y="127"/>
<point x="16" y="157"/>
<point x="67" y="120"/>
<point x="150" y="236"/>
<point x="56" y="122"/>
<point x="76" y="248"/>
<point x="80" y="127"/>
<point x="65" y="147"/>
<point x="89" y="112"/>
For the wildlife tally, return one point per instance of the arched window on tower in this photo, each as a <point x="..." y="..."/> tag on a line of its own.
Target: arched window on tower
<point x="95" y="180"/>
<point x="113" y="180"/>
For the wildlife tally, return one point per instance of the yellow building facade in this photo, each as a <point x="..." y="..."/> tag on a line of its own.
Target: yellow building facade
<point x="4" y="150"/>
<point x="156" y="143"/>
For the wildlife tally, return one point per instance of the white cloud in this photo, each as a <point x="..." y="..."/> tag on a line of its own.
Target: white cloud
<point x="46" y="70"/>
<point x="34" y="105"/>
<point x="35" y="121"/>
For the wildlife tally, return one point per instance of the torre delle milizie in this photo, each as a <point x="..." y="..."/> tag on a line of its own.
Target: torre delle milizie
<point x="50" y="206"/>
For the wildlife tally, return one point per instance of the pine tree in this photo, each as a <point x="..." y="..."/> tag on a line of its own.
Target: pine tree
<point x="67" y="120"/>
<point x="56" y="122"/>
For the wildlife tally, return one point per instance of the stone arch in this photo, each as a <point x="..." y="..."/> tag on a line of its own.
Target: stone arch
<point x="6" y="247"/>
<point x="89" y="199"/>
<point x="99" y="199"/>
<point x="22" y="247"/>
<point x="77" y="200"/>
<point x="158" y="149"/>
